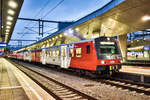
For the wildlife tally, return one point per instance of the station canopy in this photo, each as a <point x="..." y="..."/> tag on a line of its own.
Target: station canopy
<point x="126" y="17"/>
<point x="9" y="11"/>
<point x="115" y="18"/>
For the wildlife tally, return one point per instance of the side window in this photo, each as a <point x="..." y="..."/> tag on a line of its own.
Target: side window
<point x="88" y="49"/>
<point x="78" y="52"/>
<point x="40" y="53"/>
<point x="47" y="52"/>
<point x="57" y="53"/>
<point x="71" y="52"/>
<point x="62" y="52"/>
<point x="54" y="53"/>
<point x="50" y="53"/>
<point x="65" y="52"/>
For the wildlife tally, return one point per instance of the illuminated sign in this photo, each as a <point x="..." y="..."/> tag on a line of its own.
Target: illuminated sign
<point x="3" y="45"/>
<point x="112" y="43"/>
<point x="147" y="48"/>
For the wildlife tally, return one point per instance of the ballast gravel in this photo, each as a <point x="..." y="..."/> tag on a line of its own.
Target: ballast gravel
<point x="98" y="90"/>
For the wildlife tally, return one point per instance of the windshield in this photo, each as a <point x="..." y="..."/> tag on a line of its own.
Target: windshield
<point x="108" y="49"/>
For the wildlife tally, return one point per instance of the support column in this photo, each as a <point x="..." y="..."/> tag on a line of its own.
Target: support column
<point x="123" y="45"/>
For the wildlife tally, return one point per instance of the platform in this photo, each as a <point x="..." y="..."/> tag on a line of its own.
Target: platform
<point x="136" y="69"/>
<point x="15" y="85"/>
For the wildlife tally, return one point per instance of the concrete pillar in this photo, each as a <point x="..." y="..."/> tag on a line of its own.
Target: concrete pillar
<point x="123" y="45"/>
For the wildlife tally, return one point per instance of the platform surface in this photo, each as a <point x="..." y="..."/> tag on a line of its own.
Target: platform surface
<point x="15" y="85"/>
<point x="136" y="69"/>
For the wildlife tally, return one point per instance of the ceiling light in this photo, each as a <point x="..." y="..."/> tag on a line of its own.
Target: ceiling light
<point x="85" y="36"/>
<point x="145" y="18"/>
<point x="77" y="29"/>
<point x="7" y="27"/>
<point x="65" y="33"/>
<point x="70" y="31"/>
<point x="7" y="30"/>
<point x="10" y="18"/>
<point x="60" y="35"/>
<point x="11" y="12"/>
<point x="12" y="4"/>
<point x="9" y="23"/>
<point x="6" y="33"/>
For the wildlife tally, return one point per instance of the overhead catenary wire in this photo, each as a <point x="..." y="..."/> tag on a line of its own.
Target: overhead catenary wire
<point x="50" y="10"/>
<point x="38" y="13"/>
<point x="53" y="8"/>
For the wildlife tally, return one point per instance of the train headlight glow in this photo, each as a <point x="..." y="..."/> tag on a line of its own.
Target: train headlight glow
<point x="121" y="61"/>
<point x="108" y="38"/>
<point x="102" y="62"/>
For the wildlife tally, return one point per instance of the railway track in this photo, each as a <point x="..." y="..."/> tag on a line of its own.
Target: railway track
<point x="58" y="90"/>
<point x="124" y="84"/>
<point x="127" y="85"/>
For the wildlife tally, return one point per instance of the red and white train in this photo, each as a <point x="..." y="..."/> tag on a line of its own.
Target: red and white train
<point x="100" y="55"/>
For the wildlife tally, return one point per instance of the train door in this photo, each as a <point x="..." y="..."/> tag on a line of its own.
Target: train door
<point x="43" y="56"/>
<point x="64" y="57"/>
<point x="30" y="56"/>
<point x="71" y="53"/>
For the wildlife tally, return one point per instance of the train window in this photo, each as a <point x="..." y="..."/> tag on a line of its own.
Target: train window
<point x="88" y="49"/>
<point x="71" y="53"/>
<point x="40" y="54"/>
<point x="50" y="53"/>
<point x="54" y="53"/>
<point x="57" y="53"/>
<point x="47" y="52"/>
<point x="33" y="54"/>
<point x="109" y="49"/>
<point x="65" y="52"/>
<point x="36" y="54"/>
<point x="78" y="52"/>
<point x="62" y="52"/>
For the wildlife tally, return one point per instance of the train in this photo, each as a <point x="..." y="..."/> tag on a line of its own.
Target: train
<point x="100" y="55"/>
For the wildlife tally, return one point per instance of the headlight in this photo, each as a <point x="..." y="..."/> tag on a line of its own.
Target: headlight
<point x="121" y="61"/>
<point x="102" y="62"/>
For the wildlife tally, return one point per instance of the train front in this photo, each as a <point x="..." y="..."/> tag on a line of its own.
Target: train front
<point x="108" y="54"/>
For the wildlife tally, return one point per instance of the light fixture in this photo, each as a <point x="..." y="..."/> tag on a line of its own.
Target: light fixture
<point x="8" y="27"/>
<point x="56" y="37"/>
<point x="85" y="36"/>
<point x="53" y="38"/>
<point x="108" y="38"/>
<point x="145" y="18"/>
<point x="65" y="33"/>
<point x="12" y="4"/>
<point x="8" y="23"/>
<point x="10" y="18"/>
<point x="11" y="12"/>
<point x="7" y="30"/>
<point x="6" y="33"/>
<point x="77" y="29"/>
<point x="60" y="35"/>
<point x="70" y="31"/>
